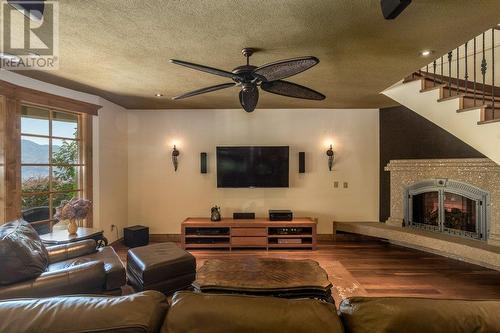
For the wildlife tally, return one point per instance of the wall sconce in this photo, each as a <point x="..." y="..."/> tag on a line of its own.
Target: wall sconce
<point x="175" y="154"/>
<point x="330" y="155"/>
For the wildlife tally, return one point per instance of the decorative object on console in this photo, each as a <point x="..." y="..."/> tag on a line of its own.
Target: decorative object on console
<point x="302" y="162"/>
<point x="280" y="215"/>
<point x="249" y="78"/>
<point x="136" y="236"/>
<point x="175" y="155"/>
<point x="243" y="216"/>
<point x="330" y="155"/>
<point x="73" y="210"/>
<point x="215" y="214"/>
<point x="203" y="162"/>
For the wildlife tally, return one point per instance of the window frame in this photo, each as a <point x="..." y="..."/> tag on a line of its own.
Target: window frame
<point x="50" y="165"/>
<point x="11" y="98"/>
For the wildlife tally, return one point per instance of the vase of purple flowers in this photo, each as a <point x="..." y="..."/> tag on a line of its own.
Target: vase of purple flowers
<point x="73" y="210"/>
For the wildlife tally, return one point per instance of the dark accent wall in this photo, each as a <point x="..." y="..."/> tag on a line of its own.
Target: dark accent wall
<point x="406" y="135"/>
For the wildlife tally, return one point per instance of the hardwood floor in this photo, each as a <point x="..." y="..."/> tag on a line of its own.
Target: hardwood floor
<point x="377" y="268"/>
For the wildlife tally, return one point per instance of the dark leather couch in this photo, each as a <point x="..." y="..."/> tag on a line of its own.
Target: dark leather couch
<point x="29" y="269"/>
<point x="204" y="313"/>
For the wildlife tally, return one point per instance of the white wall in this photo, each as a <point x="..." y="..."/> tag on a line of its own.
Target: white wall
<point x="162" y="198"/>
<point x="109" y="150"/>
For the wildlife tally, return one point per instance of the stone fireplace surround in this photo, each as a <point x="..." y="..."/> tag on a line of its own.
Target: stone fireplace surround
<point x="482" y="173"/>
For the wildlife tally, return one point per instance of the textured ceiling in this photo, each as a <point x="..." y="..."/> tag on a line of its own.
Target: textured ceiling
<point x="120" y="49"/>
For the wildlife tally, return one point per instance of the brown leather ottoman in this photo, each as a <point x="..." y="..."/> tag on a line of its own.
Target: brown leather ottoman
<point x="164" y="267"/>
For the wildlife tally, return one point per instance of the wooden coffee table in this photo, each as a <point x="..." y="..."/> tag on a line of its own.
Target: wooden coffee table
<point x="266" y="277"/>
<point x="57" y="237"/>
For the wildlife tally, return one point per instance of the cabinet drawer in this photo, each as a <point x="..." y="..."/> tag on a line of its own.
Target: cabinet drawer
<point x="249" y="241"/>
<point x="248" y="232"/>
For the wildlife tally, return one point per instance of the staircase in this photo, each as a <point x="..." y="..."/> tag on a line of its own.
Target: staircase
<point x="468" y="109"/>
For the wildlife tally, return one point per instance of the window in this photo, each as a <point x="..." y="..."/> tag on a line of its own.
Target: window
<point x="51" y="164"/>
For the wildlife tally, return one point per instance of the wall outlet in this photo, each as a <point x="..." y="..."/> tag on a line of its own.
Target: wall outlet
<point x="335" y="184"/>
<point x="113" y="227"/>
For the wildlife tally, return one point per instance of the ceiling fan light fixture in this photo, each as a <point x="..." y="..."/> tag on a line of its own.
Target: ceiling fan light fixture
<point x="251" y="78"/>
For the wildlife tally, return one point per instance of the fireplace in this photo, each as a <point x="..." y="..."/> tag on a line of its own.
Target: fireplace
<point x="447" y="206"/>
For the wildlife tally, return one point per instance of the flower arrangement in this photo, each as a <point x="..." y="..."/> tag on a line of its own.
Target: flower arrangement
<point x="74" y="209"/>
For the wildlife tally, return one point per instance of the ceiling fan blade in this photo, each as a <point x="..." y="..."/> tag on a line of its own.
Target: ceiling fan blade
<point x="205" y="69"/>
<point x="284" y="68"/>
<point x="249" y="98"/>
<point x="290" y="89"/>
<point x="205" y="90"/>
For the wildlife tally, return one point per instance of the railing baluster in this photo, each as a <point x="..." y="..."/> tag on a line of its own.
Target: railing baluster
<point x="458" y="69"/>
<point x="493" y="72"/>
<point x="450" y="56"/>
<point x="442" y="77"/>
<point x="475" y="67"/>
<point x="466" y="69"/>
<point x="434" y="72"/>
<point x="484" y="68"/>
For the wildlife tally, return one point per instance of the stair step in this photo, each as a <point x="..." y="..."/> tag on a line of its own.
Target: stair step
<point x="449" y="98"/>
<point x="438" y="86"/>
<point x="473" y="108"/>
<point x="428" y="80"/>
<point x="484" y="122"/>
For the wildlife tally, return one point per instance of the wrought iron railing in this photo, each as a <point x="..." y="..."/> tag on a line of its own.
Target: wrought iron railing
<point x="470" y="70"/>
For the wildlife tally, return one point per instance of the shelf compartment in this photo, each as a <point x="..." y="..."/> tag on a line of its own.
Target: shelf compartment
<point x="207" y="240"/>
<point x="290" y="231"/>
<point x="207" y="231"/>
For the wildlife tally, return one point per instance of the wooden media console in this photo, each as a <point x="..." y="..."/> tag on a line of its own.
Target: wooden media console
<point x="201" y="233"/>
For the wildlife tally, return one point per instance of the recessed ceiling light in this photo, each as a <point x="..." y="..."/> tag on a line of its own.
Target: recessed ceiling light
<point x="426" y="53"/>
<point x="158" y="95"/>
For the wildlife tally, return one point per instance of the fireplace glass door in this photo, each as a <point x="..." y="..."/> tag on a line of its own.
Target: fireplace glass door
<point x="444" y="211"/>
<point x="426" y="210"/>
<point x="459" y="213"/>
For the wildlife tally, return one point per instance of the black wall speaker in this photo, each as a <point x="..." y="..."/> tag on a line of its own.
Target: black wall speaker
<point x="302" y="162"/>
<point x="203" y="162"/>
<point x="392" y="8"/>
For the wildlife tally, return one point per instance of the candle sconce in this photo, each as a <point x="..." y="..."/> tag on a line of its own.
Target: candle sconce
<point x="330" y="155"/>
<point x="175" y="155"/>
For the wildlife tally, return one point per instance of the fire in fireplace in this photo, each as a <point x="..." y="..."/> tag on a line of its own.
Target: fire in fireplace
<point x="448" y="206"/>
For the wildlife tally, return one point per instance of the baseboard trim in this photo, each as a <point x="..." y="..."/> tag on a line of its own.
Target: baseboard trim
<point x="325" y="237"/>
<point x="119" y="240"/>
<point x="165" y="238"/>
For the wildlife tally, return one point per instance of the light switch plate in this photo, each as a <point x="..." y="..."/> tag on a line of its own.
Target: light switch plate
<point x="336" y="184"/>
<point x="346" y="185"/>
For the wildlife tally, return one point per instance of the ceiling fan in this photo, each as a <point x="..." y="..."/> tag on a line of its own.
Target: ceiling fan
<point x="249" y="78"/>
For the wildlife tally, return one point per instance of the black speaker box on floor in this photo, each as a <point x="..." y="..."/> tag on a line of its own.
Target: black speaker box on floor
<point x="135" y="236"/>
<point x="203" y="162"/>
<point x="392" y="8"/>
<point x="302" y="162"/>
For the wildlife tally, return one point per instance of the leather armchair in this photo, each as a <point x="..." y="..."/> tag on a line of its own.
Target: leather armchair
<point x="73" y="268"/>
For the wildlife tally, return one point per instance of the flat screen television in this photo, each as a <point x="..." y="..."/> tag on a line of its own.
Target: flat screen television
<point x="252" y="166"/>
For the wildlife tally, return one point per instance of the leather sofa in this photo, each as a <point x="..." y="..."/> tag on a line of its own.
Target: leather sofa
<point x="205" y="313"/>
<point x="29" y="269"/>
